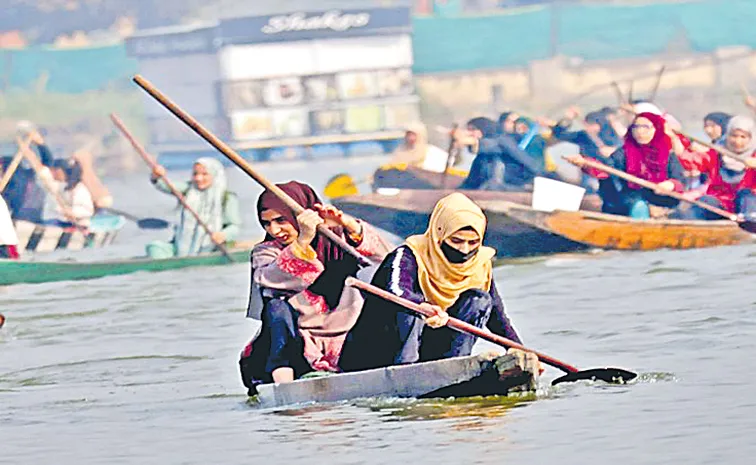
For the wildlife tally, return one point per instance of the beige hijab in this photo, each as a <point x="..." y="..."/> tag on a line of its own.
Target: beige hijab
<point x="415" y="155"/>
<point x="441" y="281"/>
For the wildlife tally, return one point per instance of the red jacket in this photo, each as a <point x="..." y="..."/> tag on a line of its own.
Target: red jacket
<point x="724" y="191"/>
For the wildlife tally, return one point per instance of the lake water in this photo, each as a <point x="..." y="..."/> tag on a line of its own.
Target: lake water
<point x="143" y="368"/>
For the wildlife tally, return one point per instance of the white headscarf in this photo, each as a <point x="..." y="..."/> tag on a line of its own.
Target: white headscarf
<point x="746" y="124"/>
<point x="191" y="238"/>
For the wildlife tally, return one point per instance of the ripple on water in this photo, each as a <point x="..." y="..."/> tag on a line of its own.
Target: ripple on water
<point x="96" y="370"/>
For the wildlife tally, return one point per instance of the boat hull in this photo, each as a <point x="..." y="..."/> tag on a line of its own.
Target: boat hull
<point x="479" y="375"/>
<point x="408" y="213"/>
<point x="42" y="238"/>
<point x="23" y="272"/>
<point x="605" y="231"/>
<point x="403" y="177"/>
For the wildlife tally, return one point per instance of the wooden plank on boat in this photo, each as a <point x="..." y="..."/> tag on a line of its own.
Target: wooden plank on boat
<point x="623" y="233"/>
<point x="483" y="374"/>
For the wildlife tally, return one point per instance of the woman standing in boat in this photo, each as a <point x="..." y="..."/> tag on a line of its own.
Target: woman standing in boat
<point x="647" y="153"/>
<point x="208" y="195"/>
<point x="446" y="270"/>
<point x="731" y="183"/>
<point x="297" y="287"/>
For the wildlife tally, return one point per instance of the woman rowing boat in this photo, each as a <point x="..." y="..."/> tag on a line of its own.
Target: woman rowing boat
<point x="731" y="183"/>
<point x="297" y="287"/>
<point x="208" y="195"/>
<point x="648" y="152"/>
<point x="448" y="271"/>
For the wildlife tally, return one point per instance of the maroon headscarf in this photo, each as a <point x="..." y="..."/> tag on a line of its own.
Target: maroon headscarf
<point x="305" y="196"/>
<point x="650" y="161"/>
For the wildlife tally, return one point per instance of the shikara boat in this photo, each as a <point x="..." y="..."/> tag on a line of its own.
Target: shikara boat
<point x="41" y="238"/>
<point x="477" y="375"/>
<point x="33" y="272"/>
<point x="407" y="212"/>
<point x="600" y="230"/>
<point x="410" y="177"/>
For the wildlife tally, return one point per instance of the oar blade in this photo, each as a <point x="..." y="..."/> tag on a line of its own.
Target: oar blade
<point x="340" y="185"/>
<point x="152" y="223"/>
<point x="607" y="375"/>
<point x="749" y="226"/>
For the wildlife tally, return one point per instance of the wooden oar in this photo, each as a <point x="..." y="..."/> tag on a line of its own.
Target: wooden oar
<point x="143" y="223"/>
<point x="749" y="226"/>
<point x="10" y="170"/>
<point x="223" y="148"/>
<point x="609" y="375"/>
<point x="153" y="165"/>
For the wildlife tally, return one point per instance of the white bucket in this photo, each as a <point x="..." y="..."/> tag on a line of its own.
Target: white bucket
<point x="550" y="195"/>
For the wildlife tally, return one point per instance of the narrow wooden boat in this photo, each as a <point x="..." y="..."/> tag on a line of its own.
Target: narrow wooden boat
<point x="402" y="176"/>
<point x="407" y="212"/>
<point x="33" y="272"/>
<point x="477" y="375"/>
<point x="600" y="230"/>
<point x="42" y="238"/>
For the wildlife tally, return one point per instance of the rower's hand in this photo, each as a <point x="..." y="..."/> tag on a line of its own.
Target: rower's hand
<point x="36" y="138"/>
<point x="218" y="237"/>
<point x="665" y="187"/>
<point x="308" y="222"/>
<point x="750" y="102"/>
<point x="335" y="217"/>
<point x="439" y="318"/>
<point x="577" y="160"/>
<point x="545" y="122"/>
<point x="158" y="172"/>
<point x="692" y="195"/>
<point x="606" y="151"/>
<point x="572" y="113"/>
<point x="751" y="162"/>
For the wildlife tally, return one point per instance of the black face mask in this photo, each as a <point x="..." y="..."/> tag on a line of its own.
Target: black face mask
<point x="455" y="256"/>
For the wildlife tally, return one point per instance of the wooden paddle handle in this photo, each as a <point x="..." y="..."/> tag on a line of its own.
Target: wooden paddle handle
<point x="10" y="170"/>
<point x="226" y="150"/>
<point x="652" y="186"/>
<point x="459" y="325"/>
<point x="171" y="187"/>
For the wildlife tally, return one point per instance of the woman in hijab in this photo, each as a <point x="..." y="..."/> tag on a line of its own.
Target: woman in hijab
<point x="208" y="196"/>
<point x="507" y="122"/>
<point x="647" y="153"/>
<point x="448" y="271"/>
<point x="731" y="183"/>
<point x="416" y="151"/>
<point x="297" y="287"/>
<point x="715" y="126"/>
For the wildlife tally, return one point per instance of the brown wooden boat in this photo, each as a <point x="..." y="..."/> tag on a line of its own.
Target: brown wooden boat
<point x="410" y="177"/>
<point x="407" y="212"/>
<point x="600" y="230"/>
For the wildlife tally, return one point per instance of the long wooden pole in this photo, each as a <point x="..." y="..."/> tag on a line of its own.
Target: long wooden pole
<point x="457" y="324"/>
<point x="226" y="150"/>
<point x="653" y="186"/>
<point x="10" y="170"/>
<point x="171" y="187"/>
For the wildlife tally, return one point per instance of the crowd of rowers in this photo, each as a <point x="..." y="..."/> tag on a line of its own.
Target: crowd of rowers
<point x="66" y="192"/>
<point x="640" y="139"/>
<point x="312" y="324"/>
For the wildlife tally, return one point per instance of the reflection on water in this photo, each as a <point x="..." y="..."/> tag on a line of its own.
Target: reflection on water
<point x="144" y="368"/>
